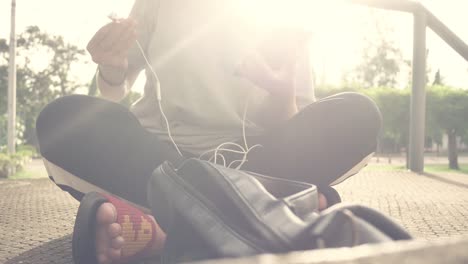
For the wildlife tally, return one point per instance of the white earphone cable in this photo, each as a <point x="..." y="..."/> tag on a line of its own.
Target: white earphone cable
<point x="159" y="97"/>
<point x="243" y="150"/>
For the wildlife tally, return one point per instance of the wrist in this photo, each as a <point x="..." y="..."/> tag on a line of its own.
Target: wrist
<point x="114" y="76"/>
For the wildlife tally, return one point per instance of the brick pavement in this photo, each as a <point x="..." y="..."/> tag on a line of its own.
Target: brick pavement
<point x="36" y="218"/>
<point x="429" y="206"/>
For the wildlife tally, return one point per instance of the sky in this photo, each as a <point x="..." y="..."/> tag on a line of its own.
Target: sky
<point x="339" y="32"/>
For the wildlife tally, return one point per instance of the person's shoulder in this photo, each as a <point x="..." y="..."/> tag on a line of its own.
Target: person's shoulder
<point x="144" y="8"/>
<point x="146" y="3"/>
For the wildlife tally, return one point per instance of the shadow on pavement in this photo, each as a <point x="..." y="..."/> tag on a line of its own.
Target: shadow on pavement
<point x="444" y="180"/>
<point x="56" y="251"/>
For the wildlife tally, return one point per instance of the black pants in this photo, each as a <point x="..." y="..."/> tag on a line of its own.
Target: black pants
<point x="103" y="143"/>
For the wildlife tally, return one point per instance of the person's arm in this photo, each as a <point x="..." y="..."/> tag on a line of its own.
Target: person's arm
<point x="114" y="83"/>
<point x="109" y="48"/>
<point x="115" y="51"/>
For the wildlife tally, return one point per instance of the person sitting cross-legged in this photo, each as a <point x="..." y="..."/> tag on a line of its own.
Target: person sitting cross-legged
<point x="219" y="81"/>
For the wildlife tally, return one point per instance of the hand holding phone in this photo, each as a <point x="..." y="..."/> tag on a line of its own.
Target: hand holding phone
<point x="111" y="43"/>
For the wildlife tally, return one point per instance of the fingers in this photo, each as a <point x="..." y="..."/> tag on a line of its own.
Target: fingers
<point x="125" y="42"/>
<point x="119" y="32"/>
<point x="98" y="37"/>
<point x="111" y="43"/>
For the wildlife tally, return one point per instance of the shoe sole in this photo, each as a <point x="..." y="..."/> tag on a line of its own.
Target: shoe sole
<point x="354" y="170"/>
<point x="84" y="229"/>
<point x="62" y="177"/>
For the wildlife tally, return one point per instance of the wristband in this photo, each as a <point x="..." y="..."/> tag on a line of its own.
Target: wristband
<point x="109" y="82"/>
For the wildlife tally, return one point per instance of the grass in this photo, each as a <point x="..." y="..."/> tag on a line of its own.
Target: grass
<point x="384" y="167"/>
<point x="22" y="175"/>
<point x="431" y="168"/>
<point x="445" y="168"/>
<point x="33" y="170"/>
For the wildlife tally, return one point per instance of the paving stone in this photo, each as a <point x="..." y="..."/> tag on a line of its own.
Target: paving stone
<point x="36" y="218"/>
<point x="449" y="250"/>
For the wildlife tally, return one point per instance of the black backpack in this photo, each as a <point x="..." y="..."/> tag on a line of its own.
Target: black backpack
<point x="210" y="211"/>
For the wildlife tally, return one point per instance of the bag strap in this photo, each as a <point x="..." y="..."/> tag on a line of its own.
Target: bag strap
<point x="351" y="225"/>
<point x="300" y="197"/>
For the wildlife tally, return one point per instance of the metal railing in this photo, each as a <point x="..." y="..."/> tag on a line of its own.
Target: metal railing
<point x="423" y="18"/>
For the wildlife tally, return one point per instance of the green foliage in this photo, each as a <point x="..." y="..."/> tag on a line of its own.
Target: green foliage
<point x="44" y="67"/>
<point x="27" y="150"/>
<point x="447" y="111"/>
<point x="381" y="67"/>
<point x="439" y="168"/>
<point x="18" y="160"/>
<point x="131" y="98"/>
<point x="5" y="162"/>
<point x="438" y="80"/>
<point x="464" y="138"/>
<point x="394" y="105"/>
<point x="3" y="130"/>
<point x="93" y="89"/>
<point x="325" y="91"/>
<point x="431" y="168"/>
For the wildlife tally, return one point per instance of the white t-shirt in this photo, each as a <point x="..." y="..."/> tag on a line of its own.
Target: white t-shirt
<point x="195" y="47"/>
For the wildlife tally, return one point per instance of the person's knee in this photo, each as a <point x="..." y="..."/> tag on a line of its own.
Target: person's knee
<point x="51" y="113"/>
<point x="57" y="115"/>
<point x="364" y="112"/>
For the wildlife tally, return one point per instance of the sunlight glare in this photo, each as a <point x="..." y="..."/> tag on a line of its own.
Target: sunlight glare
<point x="287" y="13"/>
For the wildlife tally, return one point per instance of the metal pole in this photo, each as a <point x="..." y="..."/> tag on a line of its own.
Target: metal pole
<point x="12" y="84"/>
<point x="418" y="95"/>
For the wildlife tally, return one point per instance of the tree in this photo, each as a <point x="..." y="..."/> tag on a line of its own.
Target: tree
<point x="438" y="80"/>
<point x="380" y="65"/>
<point x="434" y="131"/>
<point x="381" y="59"/>
<point x="39" y="83"/>
<point x="3" y="131"/>
<point x="447" y="108"/>
<point x="394" y="105"/>
<point x="3" y="78"/>
<point x="93" y="89"/>
<point x="464" y="138"/>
